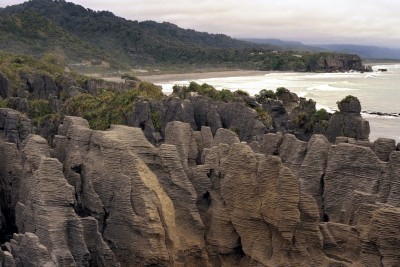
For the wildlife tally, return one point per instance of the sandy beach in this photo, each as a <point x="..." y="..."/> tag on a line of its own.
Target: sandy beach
<point x="165" y="78"/>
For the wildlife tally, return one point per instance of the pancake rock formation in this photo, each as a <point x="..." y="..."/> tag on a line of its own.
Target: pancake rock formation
<point x="202" y="198"/>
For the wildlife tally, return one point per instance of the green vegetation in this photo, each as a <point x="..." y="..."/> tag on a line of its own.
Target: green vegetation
<point x="110" y="107"/>
<point x="281" y="91"/>
<point x="206" y="90"/>
<point x="300" y="120"/>
<point x="106" y="108"/>
<point x="31" y="33"/>
<point x="241" y="93"/>
<point x="4" y="103"/>
<point x="11" y="66"/>
<point x="320" y="117"/>
<point x="129" y="77"/>
<point x="155" y="118"/>
<point x="150" y="90"/>
<point x="264" y="117"/>
<point x="265" y="94"/>
<point x="101" y="39"/>
<point x="39" y="111"/>
<point x="348" y="99"/>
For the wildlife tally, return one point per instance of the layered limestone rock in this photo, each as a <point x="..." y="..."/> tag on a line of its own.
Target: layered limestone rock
<point x="39" y="86"/>
<point x="350" y="168"/>
<point x="181" y="135"/>
<point x="271" y="143"/>
<point x="50" y="232"/>
<point x="292" y="152"/>
<point x="15" y="126"/>
<point x="10" y="179"/>
<point x="383" y="147"/>
<point x="111" y="198"/>
<point x="140" y="195"/>
<point x="312" y="170"/>
<point x="382" y="238"/>
<point x="348" y="121"/>
<point x="389" y="191"/>
<point x="197" y="111"/>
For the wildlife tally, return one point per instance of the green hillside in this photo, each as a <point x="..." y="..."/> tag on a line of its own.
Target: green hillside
<point x="28" y="32"/>
<point x="131" y="42"/>
<point x="99" y="38"/>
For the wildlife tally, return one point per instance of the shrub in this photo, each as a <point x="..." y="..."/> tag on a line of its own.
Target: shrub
<point x="224" y="95"/>
<point x="264" y="117"/>
<point x="281" y="91"/>
<point x="265" y="94"/>
<point x="39" y="108"/>
<point x="348" y="98"/>
<point x="4" y="103"/>
<point x="301" y="119"/>
<point x="128" y="77"/>
<point x="150" y="90"/>
<point x="101" y="111"/>
<point x="241" y="93"/>
<point x="155" y="118"/>
<point x="319" y="117"/>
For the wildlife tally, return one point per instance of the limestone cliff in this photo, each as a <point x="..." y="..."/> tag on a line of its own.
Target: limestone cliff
<point x="111" y="198"/>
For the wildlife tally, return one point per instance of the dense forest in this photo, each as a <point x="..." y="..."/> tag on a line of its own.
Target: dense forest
<point x="81" y="35"/>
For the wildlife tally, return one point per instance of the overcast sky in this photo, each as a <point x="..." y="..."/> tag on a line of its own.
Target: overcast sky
<point x="369" y="22"/>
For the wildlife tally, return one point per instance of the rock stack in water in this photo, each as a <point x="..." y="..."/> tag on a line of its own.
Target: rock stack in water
<point x="111" y="198"/>
<point x="348" y="121"/>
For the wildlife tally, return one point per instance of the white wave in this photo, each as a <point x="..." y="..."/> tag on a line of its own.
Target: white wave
<point x="372" y="75"/>
<point x="302" y="94"/>
<point x="368" y="115"/>
<point x="328" y="87"/>
<point x="332" y="75"/>
<point x="330" y="110"/>
<point x="389" y="66"/>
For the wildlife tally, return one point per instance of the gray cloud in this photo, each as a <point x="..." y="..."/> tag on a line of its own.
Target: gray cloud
<point x="368" y="22"/>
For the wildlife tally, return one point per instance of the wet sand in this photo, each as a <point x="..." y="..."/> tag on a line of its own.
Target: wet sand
<point x="166" y="78"/>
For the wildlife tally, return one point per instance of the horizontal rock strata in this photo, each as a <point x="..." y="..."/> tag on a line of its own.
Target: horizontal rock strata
<point x="202" y="198"/>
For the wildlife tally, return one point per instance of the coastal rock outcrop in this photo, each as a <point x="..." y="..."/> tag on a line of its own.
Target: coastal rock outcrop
<point x="15" y="126"/>
<point x="39" y="86"/>
<point x="119" y="177"/>
<point x="111" y="198"/>
<point x="348" y="121"/>
<point x="329" y="62"/>
<point x="197" y="111"/>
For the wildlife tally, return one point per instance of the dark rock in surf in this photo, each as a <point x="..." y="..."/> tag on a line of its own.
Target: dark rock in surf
<point x="348" y="121"/>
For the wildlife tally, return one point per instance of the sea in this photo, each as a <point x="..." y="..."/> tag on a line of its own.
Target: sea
<point x="378" y="91"/>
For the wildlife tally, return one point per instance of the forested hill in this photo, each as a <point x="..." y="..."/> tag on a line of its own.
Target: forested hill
<point x="28" y="32"/>
<point x="82" y="35"/>
<point x="129" y="40"/>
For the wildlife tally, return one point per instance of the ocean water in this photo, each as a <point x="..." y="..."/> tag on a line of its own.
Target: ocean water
<point x="377" y="91"/>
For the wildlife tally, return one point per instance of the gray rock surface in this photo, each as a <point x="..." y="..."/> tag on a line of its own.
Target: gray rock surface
<point x="111" y="198"/>
<point x="39" y="86"/>
<point x="10" y="179"/>
<point x="349" y="168"/>
<point x="312" y="170"/>
<point x="348" y="122"/>
<point x="15" y="126"/>
<point x="4" y="87"/>
<point x="292" y="152"/>
<point x="271" y="143"/>
<point x="224" y="136"/>
<point x="383" y="147"/>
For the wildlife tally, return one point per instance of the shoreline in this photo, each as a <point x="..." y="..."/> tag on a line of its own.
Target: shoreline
<point x="166" y="78"/>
